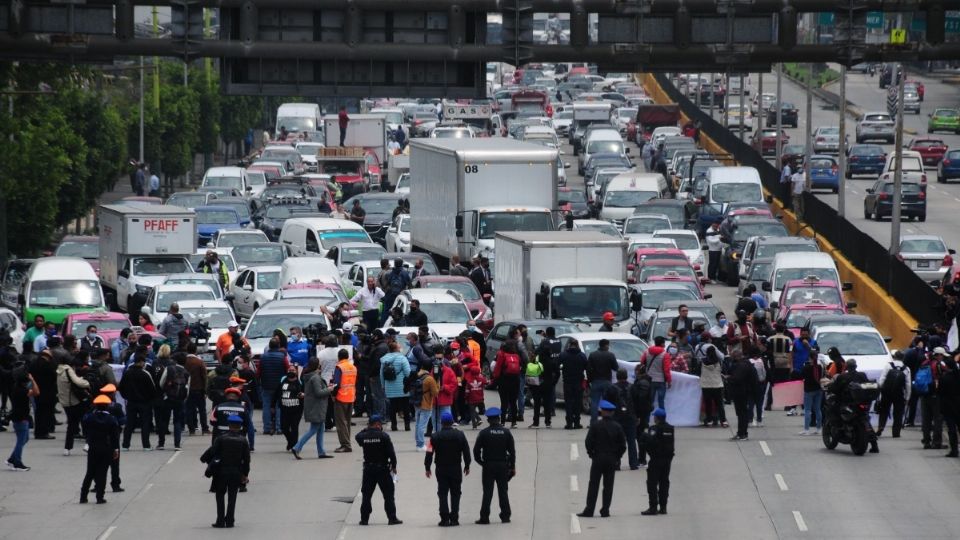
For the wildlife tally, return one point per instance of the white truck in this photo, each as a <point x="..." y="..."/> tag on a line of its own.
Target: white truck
<point x="570" y="275"/>
<point x="366" y="130"/>
<point x="300" y="118"/>
<point x="479" y="116"/>
<point x="140" y="245"/>
<point x="463" y="191"/>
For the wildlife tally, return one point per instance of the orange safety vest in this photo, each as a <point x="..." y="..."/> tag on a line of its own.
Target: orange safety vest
<point x="347" y="391"/>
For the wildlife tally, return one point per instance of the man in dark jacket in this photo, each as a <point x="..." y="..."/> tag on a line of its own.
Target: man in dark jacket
<point x="950" y="402"/>
<point x="136" y="386"/>
<point x="379" y="463"/>
<point x="44" y="372"/>
<point x="172" y="325"/>
<point x="641" y="395"/>
<point x="494" y="450"/>
<point x="839" y="387"/>
<point x="415" y="317"/>
<point x="232" y="454"/>
<point x="448" y="445"/>
<point x="742" y="381"/>
<point x="605" y="445"/>
<point x="375" y="396"/>
<point x="549" y="354"/>
<point x="573" y="366"/>
<point x="271" y="369"/>
<point x="601" y="368"/>
<point x="396" y="281"/>
<point x="620" y="395"/>
<point x="103" y="438"/>
<point x="659" y="441"/>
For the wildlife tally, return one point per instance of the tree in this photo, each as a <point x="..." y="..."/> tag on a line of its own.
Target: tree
<point x="237" y="115"/>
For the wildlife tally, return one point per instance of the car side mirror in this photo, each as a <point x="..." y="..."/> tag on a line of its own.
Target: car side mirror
<point x="887" y="339"/>
<point x="458" y="225"/>
<point x="626" y="150"/>
<point x="766" y="286"/>
<point x="707" y="296"/>
<point x="566" y="164"/>
<point x="229" y="298"/>
<point x="869" y="190"/>
<point x="247" y="287"/>
<point x="249" y="188"/>
<point x="951" y="252"/>
<point x="704" y="247"/>
<point x="631" y="267"/>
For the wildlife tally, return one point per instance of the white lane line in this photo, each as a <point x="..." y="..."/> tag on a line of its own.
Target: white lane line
<point x="801" y="524"/>
<point x="574" y="453"/>
<point x="574" y="483"/>
<point x="106" y="534"/>
<point x="781" y="482"/>
<point x="574" y="524"/>
<point x="855" y="192"/>
<point x="956" y="199"/>
<point x="911" y="230"/>
<point x="765" y="448"/>
<point x="343" y="534"/>
<point x="140" y="495"/>
<point x="173" y="457"/>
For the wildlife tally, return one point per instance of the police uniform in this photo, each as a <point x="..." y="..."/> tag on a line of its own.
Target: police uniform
<point x="103" y="437"/>
<point x="448" y="445"/>
<point x="231" y="453"/>
<point x="223" y="411"/>
<point x="379" y="460"/>
<point x="495" y="452"/>
<point x="659" y="441"/>
<point x="605" y="444"/>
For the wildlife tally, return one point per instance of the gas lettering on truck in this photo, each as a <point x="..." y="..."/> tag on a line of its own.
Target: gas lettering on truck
<point x="160" y="225"/>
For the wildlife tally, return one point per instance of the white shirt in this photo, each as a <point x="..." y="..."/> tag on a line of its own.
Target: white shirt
<point x="368" y="299"/>
<point x="785" y="175"/>
<point x="799" y="183"/>
<point x="713" y="240"/>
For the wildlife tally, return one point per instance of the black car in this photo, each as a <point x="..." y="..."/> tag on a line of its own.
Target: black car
<point x="270" y="218"/>
<point x="379" y="208"/>
<point x="788" y="115"/>
<point x="878" y="202"/>
<point x="743" y="228"/>
<point x="679" y="211"/>
<point x="605" y="159"/>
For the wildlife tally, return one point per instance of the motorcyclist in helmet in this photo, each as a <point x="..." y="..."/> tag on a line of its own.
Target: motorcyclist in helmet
<point x="840" y="386"/>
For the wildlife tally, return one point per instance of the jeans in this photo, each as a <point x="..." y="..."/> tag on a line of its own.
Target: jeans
<point x="658" y="392"/>
<point x="812" y="405"/>
<point x="22" y="430"/>
<point x="316" y="429"/>
<point x="271" y="416"/>
<point x="196" y="406"/>
<point x="521" y="397"/>
<point x="508" y="387"/>
<point x="376" y="399"/>
<point x="251" y="431"/>
<point x="755" y="402"/>
<point x="423" y="418"/>
<point x="629" y="426"/>
<point x="597" y="389"/>
<point x="138" y="416"/>
<point x="165" y="409"/>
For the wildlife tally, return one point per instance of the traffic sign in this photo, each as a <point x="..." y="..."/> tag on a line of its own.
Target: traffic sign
<point x="826" y="19"/>
<point x="875" y="20"/>
<point x="898" y="36"/>
<point x="953" y="22"/>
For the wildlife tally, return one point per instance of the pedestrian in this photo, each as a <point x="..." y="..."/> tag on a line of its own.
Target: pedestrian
<point x="343" y="120"/>
<point x="811" y="373"/>
<point x="397" y="280"/>
<point x="228" y="464"/>
<point x="758" y="393"/>
<point x="43" y="370"/>
<point x="780" y="351"/>
<point x="271" y="370"/>
<point x="379" y="470"/>
<point x="533" y="379"/>
<point x="641" y="396"/>
<point x="656" y="360"/>
<point x="174" y="388"/>
<point x="475" y="383"/>
<point x="506" y="374"/>
<point x="91" y="340"/>
<point x="289" y="398"/>
<point x="714" y="249"/>
<point x="480" y="276"/>
<point x="895" y="389"/>
<point x="741" y="381"/>
<point x="140" y="180"/>
<point x="173" y="324"/>
<point x="344" y="395"/>
<point x="368" y="299"/>
<point x="798" y="185"/>
<point x="154" y="185"/>
<point x="494" y="450"/>
<point x="741" y="335"/>
<point x="73" y="393"/>
<point x="103" y="438"/>
<point x="316" y="397"/>
<point x="659" y="442"/>
<point x="626" y="415"/>
<point x="457" y="268"/>
<point x="196" y="406"/>
<point x="950" y="403"/>
<point x="447" y="382"/>
<point x="926" y="384"/>
<point x="786" y="174"/>
<point x="232" y="406"/>
<point x="450" y="448"/>
<point x="573" y="367"/>
<point x="711" y="382"/>
<point x="418" y="269"/>
<point x="394" y="373"/>
<point x="423" y="394"/>
<point x="605" y="444"/>
<point x="23" y="388"/>
<point x="601" y="368"/>
<point x="116" y="410"/>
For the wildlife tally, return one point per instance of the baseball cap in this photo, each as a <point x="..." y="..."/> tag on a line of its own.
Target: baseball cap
<point x="233" y="324"/>
<point x="660" y="413"/>
<point x="940" y="350"/>
<point x="232" y="391"/>
<point x="101" y="400"/>
<point x="235" y="419"/>
<point x="491" y="412"/>
<point x="446" y="418"/>
<point x="347" y="327"/>
<point x="608" y="315"/>
<point x="108" y="389"/>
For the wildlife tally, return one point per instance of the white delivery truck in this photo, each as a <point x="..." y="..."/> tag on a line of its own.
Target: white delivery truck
<point x="463" y="191"/>
<point x="366" y="130"/>
<point x="571" y="275"/>
<point x="479" y="116"/>
<point x="140" y="245"/>
<point x="300" y="118"/>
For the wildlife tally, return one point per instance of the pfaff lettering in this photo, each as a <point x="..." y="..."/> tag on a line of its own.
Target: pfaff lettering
<point x="160" y="225"/>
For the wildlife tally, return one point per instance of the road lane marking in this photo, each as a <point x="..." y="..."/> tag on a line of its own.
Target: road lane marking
<point x="173" y="457"/>
<point x="574" y="453"/>
<point x="855" y="192"/>
<point x="956" y="199"/>
<point x="343" y="534"/>
<point x="574" y="483"/>
<point x="146" y="488"/>
<point x="765" y="448"/>
<point x="781" y="482"/>
<point x="574" y="524"/>
<point x="801" y="524"/>
<point x="106" y="534"/>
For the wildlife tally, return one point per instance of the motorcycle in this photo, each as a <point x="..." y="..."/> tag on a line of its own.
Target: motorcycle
<point x="847" y="422"/>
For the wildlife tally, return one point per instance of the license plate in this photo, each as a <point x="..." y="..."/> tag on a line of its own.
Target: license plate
<point x="923" y="264"/>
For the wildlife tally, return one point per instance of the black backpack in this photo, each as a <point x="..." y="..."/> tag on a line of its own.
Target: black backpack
<point x="894" y="382"/>
<point x="389" y="372"/>
<point x="216" y="388"/>
<point x="416" y="390"/>
<point x="93" y="377"/>
<point x="395" y="280"/>
<point x="175" y="386"/>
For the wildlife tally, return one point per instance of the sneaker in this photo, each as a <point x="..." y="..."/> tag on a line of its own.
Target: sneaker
<point x="66" y="452"/>
<point x="792" y="412"/>
<point x="421" y="449"/>
<point x="86" y="448"/>
<point x="533" y="426"/>
<point x="149" y="449"/>
<point x="176" y="448"/>
<point x="10" y="465"/>
<point x="804" y="432"/>
<point x="20" y="467"/>
<point x="296" y="453"/>
<point x="643" y="464"/>
<point x="816" y="431"/>
<point x="160" y="448"/>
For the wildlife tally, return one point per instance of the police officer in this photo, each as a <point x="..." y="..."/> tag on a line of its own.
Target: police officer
<point x="116" y="410"/>
<point x="605" y="445"/>
<point x="103" y="437"/>
<point x="659" y="443"/>
<point x="219" y="417"/>
<point x="379" y="461"/>
<point x="449" y="444"/>
<point x="230" y="454"/>
<point x="495" y="452"/>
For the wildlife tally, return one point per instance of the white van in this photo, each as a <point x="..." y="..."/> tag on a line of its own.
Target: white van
<point x="300" y="117"/>
<point x="733" y="184"/>
<point x="601" y="141"/>
<point x="798" y="265"/>
<point x="620" y="197"/>
<point x="230" y="177"/>
<point x="315" y="236"/>
<point x="58" y="286"/>
<point x="308" y="270"/>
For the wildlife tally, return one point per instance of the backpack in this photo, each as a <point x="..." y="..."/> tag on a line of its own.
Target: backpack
<point x="216" y="388"/>
<point x="389" y="372"/>
<point x="894" y="381"/>
<point x="534" y="371"/>
<point x="93" y="377"/>
<point x="395" y="281"/>
<point x="416" y="390"/>
<point x="623" y="399"/>
<point x="511" y="364"/>
<point x="924" y="380"/>
<point x="175" y="386"/>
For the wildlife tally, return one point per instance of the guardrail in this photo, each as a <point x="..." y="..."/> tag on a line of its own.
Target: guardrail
<point x="884" y="288"/>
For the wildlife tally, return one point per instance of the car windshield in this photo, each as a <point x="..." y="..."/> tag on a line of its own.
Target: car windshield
<point x="268" y="280"/>
<point x="379" y="205"/>
<point x="208" y="283"/>
<point x="160" y="267"/>
<point x="736" y="192"/>
<point x="822" y="163"/>
<point x="404" y="181"/>
<point x="215" y="317"/>
<point x="675" y="213"/>
<point x="627" y="199"/>
<point x="264" y="325"/>
<point x="451" y="133"/>
<point x="491" y="222"/>
<point x="216" y="217"/>
<point x="78" y="327"/>
<point x="910" y="164"/>
<point x="746" y="230"/>
<point x="588" y="302"/>
<point x="788" y="274"/>
<point x="645" y="225"/>
<point x="283" y="191"/>
<point x="945" y="113"/>
<point x="760" y="271"/>
<point x="853" y="343"/>
<point x="235" y="239"/>
<point x="662" y="325"/>
<point x="276" y="154"/>
<point x="793" y="149"/>
<point x="683" y="241"/>
<point x="829" y="131"/>
<point x="84" y="250"/>
<point x="445" y="313"/>
<point x="188" y="200"/>
<point x="652" y="298"/>
<point x="258" y="255"/>
<point x="606" y="228"/>
<point x="877" y="118"/>
<point x="353" y="254"/>
<point x="799" y="317"/>
<point x="228" y="260"/>
<point x="573" y="196"/>
<point x="341" y="167"/>
<point x="65" y="293"/>
<point x="15" y="274"/>
<point x="309" y="149"/>
<point x="865" y="150"/>
<point x="334" y="238"/>
<point x="808" y="295"/>
<point x="240" y="208"/>
<point x="628" y="350"/>
<point x="297" y="123"/>
<point x="164" y="299"/>
<point x="223" y="182"/>
<point x="682" y="269"/>
<point x="770" y="250"/>
<point x="604" y="146"/>
<point x="923" y="245"/>
<point x="465" y="288"/>
<point x="8" y="322"/>
<point x="927" y="143"/>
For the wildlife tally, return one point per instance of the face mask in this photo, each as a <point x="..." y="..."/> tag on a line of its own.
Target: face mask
<point x="344" y="313"/>
<point x="472" y="328"/>
<point x="91" y="335"/>
<point x="723" y="322"/>
<point x="672" y="350"/>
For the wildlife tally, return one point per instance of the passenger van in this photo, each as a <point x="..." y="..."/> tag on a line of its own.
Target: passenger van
<point x="299" y="118"/>
<point x="726" y="185"/>
<point x="601" y="141"/>
<point x="626" y="191"/>
<point x="799" y="265"/>
<point x="230" y="177"/>
<point x="308" y="270"/>
<point x="315" y="236"/>
<point x="59" y="286"/>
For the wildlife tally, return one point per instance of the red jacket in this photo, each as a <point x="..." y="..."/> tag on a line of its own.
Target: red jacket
<point x="652" y="353"/>
<point x="448" y="387"/>
<point x="344" y="119"/>
<point x="475" y="384"/>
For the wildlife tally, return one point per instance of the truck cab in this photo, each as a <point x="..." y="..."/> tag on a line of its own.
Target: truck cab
<point x="356" y="170"/>
<point x="585" y="300"/>
<point x="485" y="222"/>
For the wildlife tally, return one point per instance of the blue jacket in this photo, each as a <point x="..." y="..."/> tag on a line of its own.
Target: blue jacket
<point x="394" y="388"/>
<point x="272" y="368"/>
<point x="299" y="351"/>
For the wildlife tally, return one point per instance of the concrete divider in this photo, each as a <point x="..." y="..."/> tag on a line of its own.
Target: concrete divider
<point x="890" y="318"/>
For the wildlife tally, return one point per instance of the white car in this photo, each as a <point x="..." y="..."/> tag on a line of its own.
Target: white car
<point x="355" y="277"/>
<point x="228" y="238"/>
<point x="222" y="253"/>
<point x="739" y="117"/>
<point x="762" y="102"/>
<point x="216" y="314"/>
<point x="160" y="297"/>
<point x="11" y="323"/>
<point x="398" y="234"/>
<point x="622" y="117"/>
<point x="209" y="281"/>
<point x="446" y="312"/>
<point x="308" y="153"/>
<point x="861" y="342"/>
<point x="281" y="314"/>
<point x="347" y="253"/>
<point x="597" y="225"/>
<point x="687" y="241"/>
<point x="254" y="287"/>
<point x="627" y="348"/>
<point x="645" y="225"/>
<point x="662" y="132"/>
<point x="403" y="185"/>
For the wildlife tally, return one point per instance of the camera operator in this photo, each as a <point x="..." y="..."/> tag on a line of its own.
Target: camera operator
<point x="232" y="343"/>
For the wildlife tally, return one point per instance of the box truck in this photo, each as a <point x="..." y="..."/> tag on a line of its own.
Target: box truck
<point x="463" y="191"/>
<point x="571" y="275"/>
<point x="140" y="245"/>
<point x="365" y="130"/>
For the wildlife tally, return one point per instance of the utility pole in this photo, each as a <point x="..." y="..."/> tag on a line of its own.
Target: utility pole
<point x="777" y="117"/>
<point x="808" y="149"/>
<point x="743" y="112"/>
<point x="141" y="109"/>
<point x="898" y="167"/>
<point x="842" y="184"/>
<point x="759" y="94"/>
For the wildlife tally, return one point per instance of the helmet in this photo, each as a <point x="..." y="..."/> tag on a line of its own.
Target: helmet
<point x="608" y="316"/>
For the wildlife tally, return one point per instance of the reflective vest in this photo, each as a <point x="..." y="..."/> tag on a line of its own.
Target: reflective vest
<point x="347" y="391"/>
<point x="224" y="275"/>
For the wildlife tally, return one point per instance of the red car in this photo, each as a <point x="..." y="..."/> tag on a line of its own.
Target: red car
<point x="109" y="325"/>
<point x="479" y="310"/>
<point x="765" y="140"/>
<point x="931" y="149"/>
<point x="810" y="290"/>
<point x="797" y="315"/>
<point x="695" y="284"/>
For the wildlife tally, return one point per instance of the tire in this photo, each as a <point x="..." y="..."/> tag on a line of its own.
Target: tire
<point x="829" y="441"/>
<point x="859" y="140"/>
<point x="859" y="444"/>
<point x="941" y="179"/>
<point x="866" y="213"/>
<point x="836" y="190"/>
<point x="921" y="218"/>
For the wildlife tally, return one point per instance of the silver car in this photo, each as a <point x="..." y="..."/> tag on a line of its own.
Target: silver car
<point x="927" y="255"/>
<point x="876" y="125"/>
<point x="826" y="140"/>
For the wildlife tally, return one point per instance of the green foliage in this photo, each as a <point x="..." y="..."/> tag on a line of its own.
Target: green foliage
<point x="238" y="114"/>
